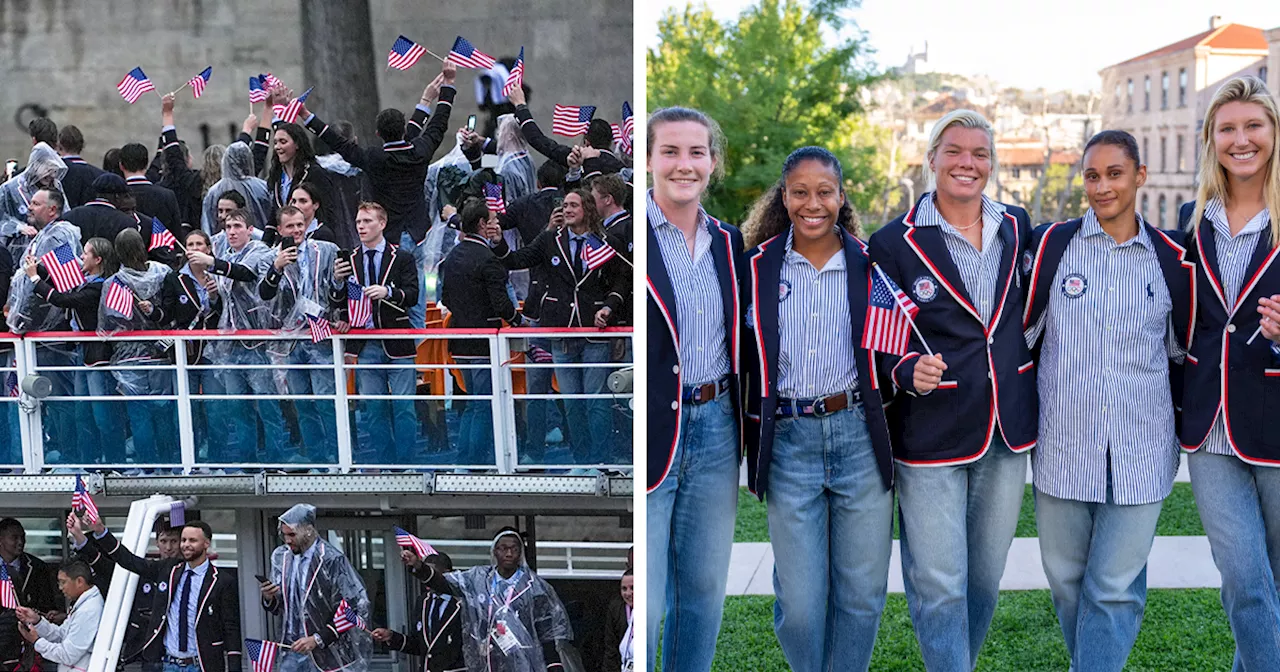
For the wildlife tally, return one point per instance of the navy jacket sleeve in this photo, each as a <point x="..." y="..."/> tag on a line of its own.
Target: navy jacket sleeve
<point x="545" y="146"/>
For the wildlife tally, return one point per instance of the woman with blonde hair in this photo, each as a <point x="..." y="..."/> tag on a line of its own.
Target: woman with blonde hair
<point x="1232" y="381"/>
<point x="967" y="417"/>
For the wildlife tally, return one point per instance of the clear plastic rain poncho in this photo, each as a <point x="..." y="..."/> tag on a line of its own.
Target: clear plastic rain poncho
<point x="15" y="196"/>
<point x="146" y="285"/>
<point x="507" y="622"/>
<point x="237" y="175"/>
<point x="26" y="311"/>
<point x="242" y="308"/>
<point x="446" y="179"/>
<point x="514" y="164"/>
<point x="304" y="289"/>
<point x="331" y="578"/>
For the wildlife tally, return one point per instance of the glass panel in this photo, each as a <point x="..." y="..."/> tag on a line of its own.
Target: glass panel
<point x="110" y="432"/>
<point x="420" y="432"/>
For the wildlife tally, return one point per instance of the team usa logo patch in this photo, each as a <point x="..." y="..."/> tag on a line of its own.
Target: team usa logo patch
<point x="1074" y="286"/>
<point x="925" y="288"/>
<point x="1027" y="260"/>
<point x="555" y="260"/>
<point x="750" y="316"/>
<point x="784" y="290"/>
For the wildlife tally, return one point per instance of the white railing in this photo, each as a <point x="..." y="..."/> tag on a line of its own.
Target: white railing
<point x="334" y="412"/>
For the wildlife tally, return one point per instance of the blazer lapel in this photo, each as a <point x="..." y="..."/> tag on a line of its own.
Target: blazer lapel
<point x="1008" y="265"/>
<point x="660" y="287"/>
<point x="1263" y="255"/>
<point x="1044" y="266"/>
<point x="569" y="265"/>
<point x="1209" y="260"/>
<point x="766" y="275"/>
<point x="1180" y="278"/>
<point x="388" y="256"/>
<point x="206" y="588"/>
<point x="727" y="273"/>
<point x="927" y="243"/>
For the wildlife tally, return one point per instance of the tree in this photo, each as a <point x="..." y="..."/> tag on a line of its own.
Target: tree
<point x="775" y="80"/>
<point x="345" y="87"/>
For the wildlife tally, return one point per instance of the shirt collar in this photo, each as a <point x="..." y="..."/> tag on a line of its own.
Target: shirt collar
<point x="137" y="179"/>
<point x="198" y="570"/>
<point x="474" y="238"/>
<point x="657" y="219"/>
<point x="928" y="215"/>
<point x="1090" y="226"/>
<point x="381" y="246"/>
<point x="313" y="225"/>
<point x="1216" y="211"/>
<point x="614" y="217"/>
<point x="835" y="263"/>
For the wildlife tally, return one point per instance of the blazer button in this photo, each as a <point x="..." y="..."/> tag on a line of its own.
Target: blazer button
<point x="675" y="369"/>
<point x="1231" y="328"/>
<point x="675" y="405"/>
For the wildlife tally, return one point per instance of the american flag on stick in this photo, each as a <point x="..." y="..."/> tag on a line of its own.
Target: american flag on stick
<point x="493" y="198"/>
<point x="320" y="329"/>
<point x="597" y="253"/>
<point x="257" y="91"/>
<point x="11" y="386"/>
<point x="134" y="85"/>
<point x="82" y="500"/>
<point x="8" y="597"/>
<point x="406" y="540"/>
<point x="198" y="82"/>
<point x="571" y="120"/>
<point x="516" y="77"/>
<point x="261" y="654"/>
<point x="160" y="236"/>
<point x="346" y="618"/>
<point x="628" y="127"/>
<point x="404" y="53"/>
<point x="289" y="113"/>
<point x="889" y="316"/>
<point x="465" y="54"/>
<point x="64" y="268"/>
<point x="359" y="310"/>
<point x="120" y="299"/>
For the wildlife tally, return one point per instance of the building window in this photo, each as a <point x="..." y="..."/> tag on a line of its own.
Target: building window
<point x="1177" y="198"/>
<point x="1164" y="166"/>
<point x="1144" y="207"/>
<point x="1016" y="173"/>
<point x="1129" y="107"/>
<point x="1182" y="87"/>
<point x="1262" y="73"/>
<point x="1164" y="90"/>
<point x="1180" y="163"/>
<point x="1117" y="96"/>
<point x="1162" y="211"/>
<point x="1146" y="93"/>
<point x="1146" y="150"/>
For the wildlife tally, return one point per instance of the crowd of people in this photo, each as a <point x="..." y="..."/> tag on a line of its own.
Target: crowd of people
<point x="919" y="372"/>
<point x="186" y="613"/>
<point x="304" y="229"/>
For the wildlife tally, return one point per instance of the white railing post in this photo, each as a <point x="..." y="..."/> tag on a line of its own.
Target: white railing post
<point x="342" y="413"/>
<point x="30" y="462"/>
<point x="34" y="424"/>
<point x="186" y="427"/>
<point x="503" y="403"/>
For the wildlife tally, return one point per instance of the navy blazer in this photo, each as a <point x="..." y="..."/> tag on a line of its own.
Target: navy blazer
<point x="989" y="384"/>
<point x="664" y="352"/>
<point x="1222" y="366"/>
<point x="760" y="357"/>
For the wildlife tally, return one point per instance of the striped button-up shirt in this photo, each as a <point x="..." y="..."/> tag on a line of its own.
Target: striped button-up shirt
<point x="1234" y="253"/>
<point x="979" y="269"/>
<point x="1105" y="404"/>
<point x="815" y="340"/>
<point x="704" y="351"/>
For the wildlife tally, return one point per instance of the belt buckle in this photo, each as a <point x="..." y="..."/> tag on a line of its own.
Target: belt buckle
<point x="820" y="408"/>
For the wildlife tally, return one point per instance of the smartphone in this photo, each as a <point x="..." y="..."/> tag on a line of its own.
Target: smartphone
<point x="557" y="202"/>
<point x="288" y="243"/>
<point x="260" y="578"/>
<point x="471" y="123"/>
<point x="344" y="255"/>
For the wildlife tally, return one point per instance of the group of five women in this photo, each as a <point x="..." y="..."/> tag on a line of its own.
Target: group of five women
<point x="1097" y="345"/>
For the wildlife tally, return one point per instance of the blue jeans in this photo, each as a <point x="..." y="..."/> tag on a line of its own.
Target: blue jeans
<point x="107" y="415"/>
<point x="208" y="418"/>
<point x="831" y="526"/>
<point x="538" y="411"/>
<point x="418" y="311"/>
<point x="475" y="427"/>
<point x="690" y="537"/>
<point x="392" y="426"/>
<point x="316" y="417"/>
<point x="1095" y="556"/>
<point x="151" y="423"/>
<point x="242" y="444"/>
<point x="59" y="417"/>
<point x="174" y="667"/>
<point x="1240" y="507"/>
<point x="588" y="419"/>
<point x="963" y="517"/>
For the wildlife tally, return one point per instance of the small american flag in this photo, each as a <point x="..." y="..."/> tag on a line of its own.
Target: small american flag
<point x="289" y="113"/>
<point x="597" y="253"/>
<point x="516" y="77"/>
<point x="197" y="83"/>
<point x="466" y="55"/>
<point x="406" y="540"/>
<point x="11" y="385"/>
<point x="160" y="236"/>
<point x="81" y="499"/>
<point x="360" y="311"/>
<point x="617" y="132"/>
<point x="346" y="618"/>
<point x="404" y="53"/>
<point x="261" y="654"/>
<point x="889" y="315"/>
<point x="540" y="355"/>
<point x="493" y="197"/>
<point x="571" y="120"/>
<point x="257" y="92"/>
<point x="64" y="268"/>
<point x="8" y="597"/>
<point x="134" y="85"/>
<point x="628" y="127"/>
<point x="269" y="80"/>
<point x="120" y="299"/>
<point x="319" y="328"/>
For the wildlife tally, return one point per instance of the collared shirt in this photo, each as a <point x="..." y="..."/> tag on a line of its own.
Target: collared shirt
<point x="171" y="643"/>
<point x="435" y="610"/>
<point x="1105" y="405"/>
<point x="979" y="270"/>
<point x="377" y="259"/>
<point x="1234" y="254"/>
<point x="704" y="351"/>
<point x="815" y="339"/>
<point x="299" y="574"/>
<point x="608" y="221"/>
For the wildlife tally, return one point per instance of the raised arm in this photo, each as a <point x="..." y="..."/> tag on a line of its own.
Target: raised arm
<point x="533" y="135"/>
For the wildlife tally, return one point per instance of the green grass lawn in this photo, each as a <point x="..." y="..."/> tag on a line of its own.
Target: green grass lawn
<point x="1178" y="517"/>
<point x="1183" y="630"/>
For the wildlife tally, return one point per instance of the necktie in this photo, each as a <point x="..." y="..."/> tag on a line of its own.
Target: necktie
<point x="184" y="628"/>
<point x="578" y="242"/>
<point x="370" y="268"/>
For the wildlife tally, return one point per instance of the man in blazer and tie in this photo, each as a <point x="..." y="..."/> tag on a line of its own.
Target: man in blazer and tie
<point x="437" y="636"/>
<point x="35" y="583"/>
<point x="195" y="613"/>
<point x="389" y="280"/>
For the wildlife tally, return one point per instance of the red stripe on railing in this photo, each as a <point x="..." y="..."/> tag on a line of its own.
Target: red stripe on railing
<point x="362" y="333"/>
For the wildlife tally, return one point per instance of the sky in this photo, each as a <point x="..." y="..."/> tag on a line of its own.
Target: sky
<point x="1024" y="43"/>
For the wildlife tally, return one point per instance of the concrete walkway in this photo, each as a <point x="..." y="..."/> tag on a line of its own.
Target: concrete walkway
<point x="1175" y="562"/>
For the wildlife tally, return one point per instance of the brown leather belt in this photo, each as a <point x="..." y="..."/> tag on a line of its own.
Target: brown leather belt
<point x="701" y="394"/>
<point x="800" y="408"/>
